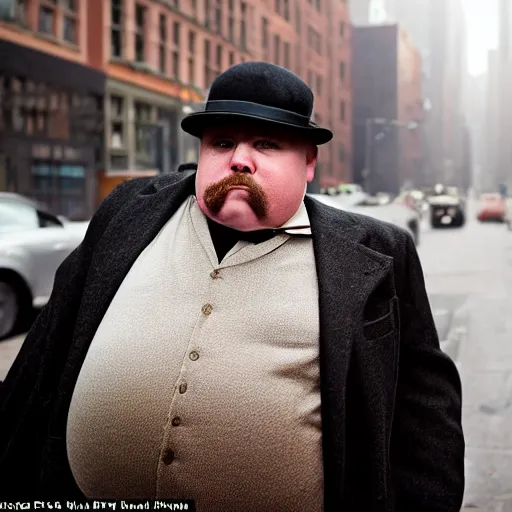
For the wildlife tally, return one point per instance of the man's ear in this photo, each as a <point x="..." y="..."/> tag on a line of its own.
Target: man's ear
<point x="311" y="158"/>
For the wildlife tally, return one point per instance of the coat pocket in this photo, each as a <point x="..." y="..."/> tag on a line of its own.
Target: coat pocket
<point x="382" y="326"/>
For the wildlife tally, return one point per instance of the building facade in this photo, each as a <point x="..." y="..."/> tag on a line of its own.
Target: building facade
<point x="51" y="105"/>
<point x="388" y="108"/>
<point x="163" y="56"/>
<point x="126" y="72"/>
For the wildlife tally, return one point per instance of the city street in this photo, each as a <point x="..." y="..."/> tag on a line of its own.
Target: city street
<point x="468" y="273"/>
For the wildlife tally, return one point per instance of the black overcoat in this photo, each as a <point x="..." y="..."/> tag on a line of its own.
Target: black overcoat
<point x="390" y="399"/>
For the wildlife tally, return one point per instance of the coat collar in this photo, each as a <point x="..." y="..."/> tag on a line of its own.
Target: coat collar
<point x="347" y="273"/>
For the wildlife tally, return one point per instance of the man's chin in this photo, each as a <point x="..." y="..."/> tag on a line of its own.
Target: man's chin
<point x="237" y="215"/>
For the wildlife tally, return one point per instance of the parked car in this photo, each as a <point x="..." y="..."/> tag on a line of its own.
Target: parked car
<point x="447" y="208"/>
<point x="492" y="208"/>
<point x="33" y="244"/>
<point x="394" y="213"/>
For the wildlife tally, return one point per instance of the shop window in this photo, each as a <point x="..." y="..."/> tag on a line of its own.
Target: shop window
<point x="116" y="33"/>
<point x="117" y="126"/>
<point x="176" y="36"/>
<point x="163" y="44"/>
<point x="140" y="35"/>
<point x="143" y="131"/>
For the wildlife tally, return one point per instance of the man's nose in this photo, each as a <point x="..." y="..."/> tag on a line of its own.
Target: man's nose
<point x="241" y="161"/>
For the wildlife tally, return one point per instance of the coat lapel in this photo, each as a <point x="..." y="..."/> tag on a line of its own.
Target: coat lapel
<point x="126" y="236"/>
<point x="347" y="274"/>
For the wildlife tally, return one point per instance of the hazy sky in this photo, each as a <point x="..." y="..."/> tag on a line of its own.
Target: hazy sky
<point x="482" y="24"/>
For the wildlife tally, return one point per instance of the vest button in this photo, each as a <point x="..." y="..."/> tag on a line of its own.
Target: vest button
<point x="215" y="274"/>
<point x="168" y="457"/>
<point x="194" y="355"/>
<point x="207" y="309"/>
<point x="176" y="421"/>
<point x="183" y="387"/>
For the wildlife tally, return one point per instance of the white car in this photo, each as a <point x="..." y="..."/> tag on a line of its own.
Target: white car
<point x="398" y="214"/>
<point x="33" y="244"/>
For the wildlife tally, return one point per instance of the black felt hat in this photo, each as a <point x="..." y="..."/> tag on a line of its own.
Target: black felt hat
<point x="262" y="92"/>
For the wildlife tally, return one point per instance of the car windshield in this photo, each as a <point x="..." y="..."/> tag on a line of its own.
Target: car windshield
<point x="17" y="216"/>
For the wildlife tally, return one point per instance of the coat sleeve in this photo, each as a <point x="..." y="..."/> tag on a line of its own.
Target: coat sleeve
<point x="32" y="379"/>
<point x="427" y="443"/>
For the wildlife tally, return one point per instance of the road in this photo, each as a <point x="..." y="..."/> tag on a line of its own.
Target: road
<point x="468" y="274"/>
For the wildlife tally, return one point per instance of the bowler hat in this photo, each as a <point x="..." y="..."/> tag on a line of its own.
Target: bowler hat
<point x="262" y="92"/>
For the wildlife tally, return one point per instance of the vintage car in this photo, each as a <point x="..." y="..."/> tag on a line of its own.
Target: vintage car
<point x="394" y="213"/>
<point x="492" y="207"/>
<point x="33" y="244"/>
<point x="447" y="208"/>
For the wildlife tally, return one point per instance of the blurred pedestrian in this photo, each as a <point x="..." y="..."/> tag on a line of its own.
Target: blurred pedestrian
<point x="226" y="338"/>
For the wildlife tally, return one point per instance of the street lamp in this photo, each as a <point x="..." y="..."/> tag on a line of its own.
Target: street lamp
<point x="370" y="139"/>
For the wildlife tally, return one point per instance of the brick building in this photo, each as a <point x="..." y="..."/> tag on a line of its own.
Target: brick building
<point x="164" y="56"/>
<point x="51" y="105"/>
<point x="158" y="59"/>
<point x="388" y="108"/>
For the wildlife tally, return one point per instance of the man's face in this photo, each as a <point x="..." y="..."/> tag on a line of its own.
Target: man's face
<point x="252" y="176"/>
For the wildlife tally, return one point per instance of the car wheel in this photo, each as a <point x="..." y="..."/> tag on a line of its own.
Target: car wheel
<point x="9" y="309"/>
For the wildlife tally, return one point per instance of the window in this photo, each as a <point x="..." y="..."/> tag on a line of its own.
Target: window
<point x="163" y="43"/>
<point x="15" y="215"/>
<point x="231" y="58"/>
<point x="342" y="71"/>
<point x="286" y="10"/>
<point x="297" y="17"/>
<point x="310" y="79"/>
<point x="70" y="21"/>
<point x="140" y="26"/>
<point x="176" y="50"/>
<point x="117" y="125"/>
<point x="191" y="61"/>
<point x="264" y="34"/>
<point x="231" y="21"/>
<point x="116" y="37"/>
<point x="218" y="17"/>
<point x="143" y="119"/>
<point x="243" y="27"/>
<point x="342" y="111"/>
<point x="342" y="29"/>
<point x="341" y="154"/>
<point x="319" y="84"/>
<point x="47" y="19"/>
<point x="207" y="57"/>
<point x="286" y="57"/>
<point x="277" y="48"/>
<point x="207" y="13"/>
<point x="218" y="58"/>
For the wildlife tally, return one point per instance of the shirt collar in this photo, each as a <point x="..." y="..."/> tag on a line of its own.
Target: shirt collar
<point x="298" y="224"/>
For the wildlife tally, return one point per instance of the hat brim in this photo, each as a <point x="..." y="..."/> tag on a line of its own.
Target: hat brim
<point x="195" y="123"/>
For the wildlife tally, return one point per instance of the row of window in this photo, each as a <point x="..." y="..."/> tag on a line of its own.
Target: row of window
<point x="56" y="18"/>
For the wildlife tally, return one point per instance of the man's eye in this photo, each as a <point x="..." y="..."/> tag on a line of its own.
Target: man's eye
<point x="266" y="144"/>
<point x="223" y="144"/>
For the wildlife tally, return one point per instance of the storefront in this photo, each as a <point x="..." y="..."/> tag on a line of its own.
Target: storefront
<point x="51" y="130"/>
<point x="143" y="134"/>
